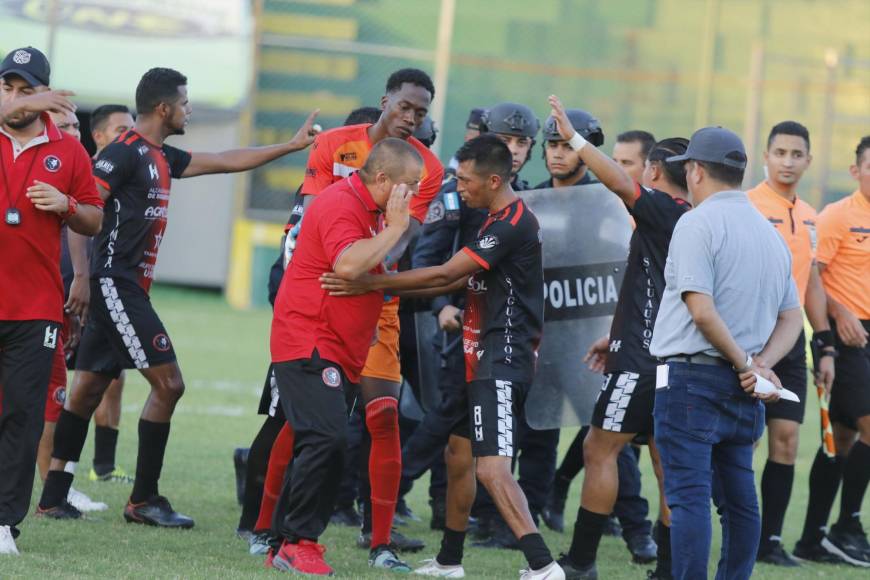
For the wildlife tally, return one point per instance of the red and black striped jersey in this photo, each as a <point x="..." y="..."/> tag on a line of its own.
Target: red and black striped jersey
<point x="138" y="174"/>
<point x="504" y="314"/>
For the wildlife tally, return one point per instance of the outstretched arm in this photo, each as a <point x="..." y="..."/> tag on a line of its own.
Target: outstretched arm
<point x="444" y="278"/>
<point x="237" y="160"/>
<point x="605" y="169"/>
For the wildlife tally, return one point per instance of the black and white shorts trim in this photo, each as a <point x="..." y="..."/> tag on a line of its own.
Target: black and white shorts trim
<point x="625" y="403"/>
<point x="495" y="408"/>
<point x="123" y="330"/>
<point x="270" y="399"/>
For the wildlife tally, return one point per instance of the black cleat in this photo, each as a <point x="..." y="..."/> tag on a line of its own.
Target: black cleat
<point x="814" y="552"/>
<point x="575" y="572"/>
<point x="63" y="511"/>
<point x="774" y="553"/>
<point x="643" y="549"/>
<point x="240" y="462"/>
<point x="398" y="542"/>
<point x="479" y="528"/>
<point x="157" y="511"/>
<point x="346" y="516"/>
<point x="612" y="527"/>
<point x="849" y="542"/>
<point x="501" y="537"/>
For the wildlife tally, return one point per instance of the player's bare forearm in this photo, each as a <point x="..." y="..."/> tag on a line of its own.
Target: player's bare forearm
<point x="446" y="275"/>
<point x="785" y="333"/>
<point x="87" y="220"/>
<point x="364" y="255"/>
<point x="816" y="302"/>
<point x="78" y="253"/>
<point x="707" y="319"/>
<point x="236" y="160"/>
<point x="432" y="292"/>
<point x="610" y="174"/>
<point x="605" y="169"/>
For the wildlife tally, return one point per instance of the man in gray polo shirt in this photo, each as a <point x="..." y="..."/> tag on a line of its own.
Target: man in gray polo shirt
<point x="729" y="295"/>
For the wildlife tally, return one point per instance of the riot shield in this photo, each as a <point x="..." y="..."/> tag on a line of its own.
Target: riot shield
<point x="586" y="230"/>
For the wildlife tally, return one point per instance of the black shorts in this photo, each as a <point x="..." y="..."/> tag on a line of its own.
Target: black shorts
<point x="792" y="372"/>
<point x="270" y="400"/>
<point x="850" y="394"/>
<point x="491" y="416"/>
<point x="625" y="403"/>
<point x="123" y="331"/>
<point x="308" y="389"/>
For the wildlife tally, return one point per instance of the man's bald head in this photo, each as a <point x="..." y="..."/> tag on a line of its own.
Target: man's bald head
<point x="391" y="162"/>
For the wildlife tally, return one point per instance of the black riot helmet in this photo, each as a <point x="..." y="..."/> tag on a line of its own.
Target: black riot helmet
<point x="584" y="123"/>
<point x="511" y="119"/>
<point x="426" y="132"/>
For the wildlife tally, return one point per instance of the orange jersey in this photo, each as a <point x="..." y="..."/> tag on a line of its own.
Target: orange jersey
<point x="339" y="152"/>
<point x="796" y="223"/>
<point x="844" y="248"/>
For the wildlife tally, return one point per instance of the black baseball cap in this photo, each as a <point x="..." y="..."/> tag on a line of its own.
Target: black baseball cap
<point x="715" y="145"/>
<point x="28" y="63"/>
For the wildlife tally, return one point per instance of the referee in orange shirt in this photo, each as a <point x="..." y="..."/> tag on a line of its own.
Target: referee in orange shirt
<point x="787" y="158"/>
<point x="843" y="256"/>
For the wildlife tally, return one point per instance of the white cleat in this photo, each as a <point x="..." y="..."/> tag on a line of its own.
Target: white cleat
<point x="7" y="542"/>
<point x="83" y="503"/>
<point x="550" y="572"/>
<point x="433" y="568"/>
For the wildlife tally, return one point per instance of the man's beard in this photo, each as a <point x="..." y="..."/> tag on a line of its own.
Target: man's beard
<point x="22" y="122"/>
<point x="568" y="176"/>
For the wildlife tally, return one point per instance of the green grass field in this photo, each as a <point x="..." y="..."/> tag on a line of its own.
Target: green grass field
<point x="223" y="354"/>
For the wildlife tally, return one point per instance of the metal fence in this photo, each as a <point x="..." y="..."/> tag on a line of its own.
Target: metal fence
<point x="667" y="66"/>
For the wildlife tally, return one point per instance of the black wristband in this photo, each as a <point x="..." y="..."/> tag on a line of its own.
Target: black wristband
<point x="823" y="339"/>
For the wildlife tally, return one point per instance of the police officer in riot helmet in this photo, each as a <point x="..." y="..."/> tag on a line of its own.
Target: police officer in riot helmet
<point x="563" y="163"/>
<point x="517" y="126"/>
<point x="426" y="132"/>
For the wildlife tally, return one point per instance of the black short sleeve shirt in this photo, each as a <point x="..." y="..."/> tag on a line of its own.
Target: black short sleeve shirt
<point x="504" y="314"/>
<point x="138" y="174"/>
<point x="655" y="214"/>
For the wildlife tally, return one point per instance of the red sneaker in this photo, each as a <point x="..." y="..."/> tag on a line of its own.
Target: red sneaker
<point x="306" y="557"/>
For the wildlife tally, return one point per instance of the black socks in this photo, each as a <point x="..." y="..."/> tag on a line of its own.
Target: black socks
<point x="451" y="548"/>
<point x="825" y="478"/>
<point x="856" y="475"/>
<point x="535" y="550"/>
<point x="776" y="484"/>
<point x="587" y="536"/>
<point x="152" y="448"/>
<point x="105" y="443"/>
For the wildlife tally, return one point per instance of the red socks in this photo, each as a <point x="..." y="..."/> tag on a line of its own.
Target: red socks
<point x="385" y="465"/>
<point x="279" y="458"/>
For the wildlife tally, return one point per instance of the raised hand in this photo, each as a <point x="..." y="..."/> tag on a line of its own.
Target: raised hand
<point x="306" y="133"/>
<point x="563" y="124"/>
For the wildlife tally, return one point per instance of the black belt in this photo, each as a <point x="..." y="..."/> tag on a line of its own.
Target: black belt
<point x="698" y="359"/>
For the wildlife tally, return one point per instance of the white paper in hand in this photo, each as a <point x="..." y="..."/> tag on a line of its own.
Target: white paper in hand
<point x="765" y="387"/>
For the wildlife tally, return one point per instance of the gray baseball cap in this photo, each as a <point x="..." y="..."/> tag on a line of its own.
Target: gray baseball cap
<point x="716" y="145"/>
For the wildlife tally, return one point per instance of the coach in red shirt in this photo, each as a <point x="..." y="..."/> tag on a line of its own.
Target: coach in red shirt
<point x="46" y="181"/>
<point x="319" y="342"/>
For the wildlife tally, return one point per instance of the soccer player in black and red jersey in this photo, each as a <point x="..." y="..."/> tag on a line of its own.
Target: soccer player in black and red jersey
<point x="133" y="175"/>
<point x="625" y="404"/>
<point x="502" y="327"/>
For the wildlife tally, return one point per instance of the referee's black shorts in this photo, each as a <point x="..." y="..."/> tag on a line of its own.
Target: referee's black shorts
<point x="123" y="330"/>
<point x="792" y="372"/>
<point x="850" y="394"/>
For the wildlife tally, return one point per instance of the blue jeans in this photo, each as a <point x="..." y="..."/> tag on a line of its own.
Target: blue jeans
<point x="705" y="426"/>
